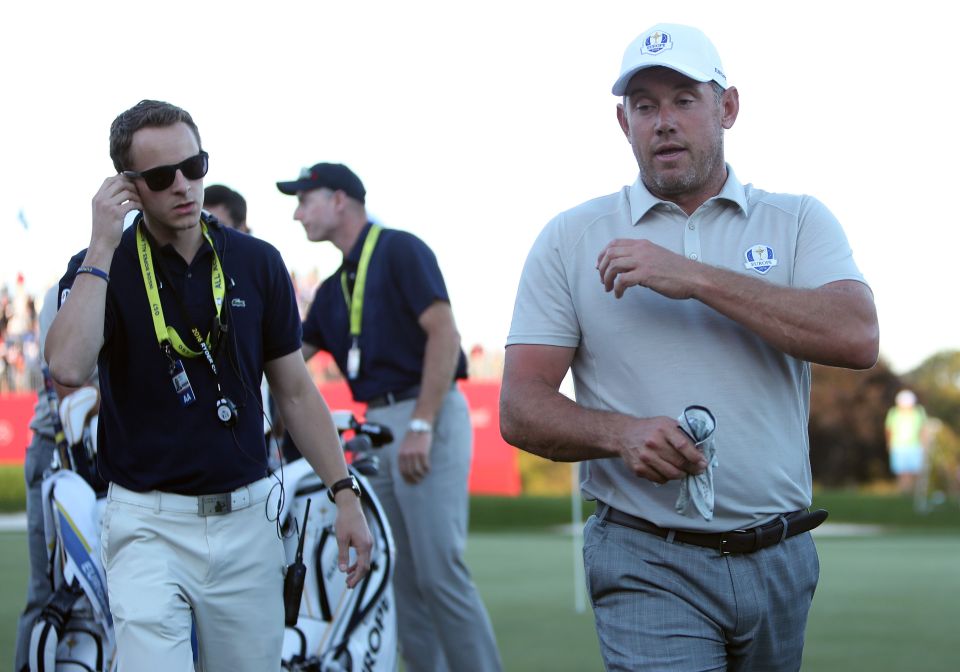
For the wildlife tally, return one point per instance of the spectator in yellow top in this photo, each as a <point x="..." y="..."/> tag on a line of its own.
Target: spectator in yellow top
<point x="906" y="432"/>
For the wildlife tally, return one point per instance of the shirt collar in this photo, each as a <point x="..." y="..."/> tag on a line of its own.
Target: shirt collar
<point x="128" y="240"/>
<point x="642" y="201"/>
<point x="353" y="256"/>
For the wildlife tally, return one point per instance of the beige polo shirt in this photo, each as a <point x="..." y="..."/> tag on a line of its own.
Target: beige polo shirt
<point x="647" y="355"/>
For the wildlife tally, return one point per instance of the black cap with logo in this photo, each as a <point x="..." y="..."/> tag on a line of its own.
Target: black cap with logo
<point x="335" y="176"/>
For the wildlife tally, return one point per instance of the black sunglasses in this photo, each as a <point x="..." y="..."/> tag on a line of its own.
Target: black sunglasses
<point x="161" y="177"/>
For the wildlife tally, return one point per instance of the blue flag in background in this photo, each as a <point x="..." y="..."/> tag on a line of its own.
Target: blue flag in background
<point x="23" y="220"/>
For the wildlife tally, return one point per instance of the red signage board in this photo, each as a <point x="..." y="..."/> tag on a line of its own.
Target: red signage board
<point x="494" y="470"/>
<point x="16" y="411"/>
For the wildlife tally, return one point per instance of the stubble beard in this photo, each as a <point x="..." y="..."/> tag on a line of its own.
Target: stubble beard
<point x="170" y="224"/>
<point x="695" y="177"/>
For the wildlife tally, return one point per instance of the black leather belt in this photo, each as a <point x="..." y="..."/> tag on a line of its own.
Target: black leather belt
<point x="391" y="398"/>
<point x="737" y="541"/>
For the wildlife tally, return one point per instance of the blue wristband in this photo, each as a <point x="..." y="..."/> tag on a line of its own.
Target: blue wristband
<point x="93" y="270"/>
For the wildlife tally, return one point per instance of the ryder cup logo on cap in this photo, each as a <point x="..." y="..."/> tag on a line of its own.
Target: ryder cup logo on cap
<point x="655" y="43"/>
<point x="668" y="45"/>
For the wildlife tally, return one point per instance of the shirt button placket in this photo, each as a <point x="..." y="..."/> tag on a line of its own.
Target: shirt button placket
<point x="691" y="240"/>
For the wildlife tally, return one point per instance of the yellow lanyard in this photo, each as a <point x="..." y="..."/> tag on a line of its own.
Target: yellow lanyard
<point x="355" y="303"/>
<point x="167" y="333"/>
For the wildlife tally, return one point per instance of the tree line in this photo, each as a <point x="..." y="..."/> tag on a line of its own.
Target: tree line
<point x="847" y="413"/>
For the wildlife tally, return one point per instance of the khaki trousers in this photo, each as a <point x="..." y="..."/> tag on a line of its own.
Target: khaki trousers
<point x="167" y="567"/>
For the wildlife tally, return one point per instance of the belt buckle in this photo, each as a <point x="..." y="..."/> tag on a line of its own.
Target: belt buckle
<point x="723" y="541"/>
<point x="213" y="505"/>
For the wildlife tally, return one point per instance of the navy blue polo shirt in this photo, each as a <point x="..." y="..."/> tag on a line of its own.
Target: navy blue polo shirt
<point x="403" y="280"/>
<point x="147" y="439"/>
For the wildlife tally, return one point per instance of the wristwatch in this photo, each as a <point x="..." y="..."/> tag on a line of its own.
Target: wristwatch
<point x="343" y="484"/>
<point x="420" y="426"/>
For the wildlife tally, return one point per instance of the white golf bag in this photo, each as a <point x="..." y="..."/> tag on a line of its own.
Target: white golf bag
<point x="74" y="632"/>
<point x="339" y="629"/>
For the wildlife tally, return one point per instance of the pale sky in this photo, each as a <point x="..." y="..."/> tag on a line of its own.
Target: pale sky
<point x="472" y="124"/>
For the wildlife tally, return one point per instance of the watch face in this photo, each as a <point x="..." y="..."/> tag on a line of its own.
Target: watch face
<point x="350" y="483"/>
<point x="420" y="425"/>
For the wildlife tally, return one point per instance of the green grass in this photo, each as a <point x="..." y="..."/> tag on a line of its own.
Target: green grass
<point x="504" y="514"/>
<point x="527" y="585"/>
<point x="851" y="506"/>
<point x="885" y="603"/>
<point x="13" y="590"/>
<point x="12" y="488"/>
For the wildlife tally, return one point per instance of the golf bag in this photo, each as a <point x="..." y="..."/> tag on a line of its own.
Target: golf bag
<point x="74" y="632"/>
<point x="339" y="629"/>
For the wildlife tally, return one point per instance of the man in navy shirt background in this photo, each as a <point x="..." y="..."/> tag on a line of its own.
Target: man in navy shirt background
<point x="227" y="205"/>
<point x="183" y="317"/>
<point x="385" y="316"/>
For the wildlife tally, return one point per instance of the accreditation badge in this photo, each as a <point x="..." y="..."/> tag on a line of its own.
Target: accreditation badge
<point x="353" y="361"/>
<point x="181" y="383"/>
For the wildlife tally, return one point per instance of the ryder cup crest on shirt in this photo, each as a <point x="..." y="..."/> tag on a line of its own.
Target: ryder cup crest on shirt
<point x="669" y="45"/>
<point x="760" y="258"/>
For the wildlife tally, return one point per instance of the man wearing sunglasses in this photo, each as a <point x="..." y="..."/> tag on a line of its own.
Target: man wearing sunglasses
<point x="184" y="316"/>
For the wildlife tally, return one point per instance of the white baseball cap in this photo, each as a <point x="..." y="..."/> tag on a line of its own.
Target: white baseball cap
<point x="906" y="398"/>
<point x="670" y="45"/>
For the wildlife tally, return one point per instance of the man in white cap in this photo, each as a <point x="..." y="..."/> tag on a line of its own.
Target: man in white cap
<point x="687" y="288"/>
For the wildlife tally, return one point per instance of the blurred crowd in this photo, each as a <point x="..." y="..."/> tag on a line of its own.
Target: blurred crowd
<point x="19" y="347"/>
<point x="20" y="363"/>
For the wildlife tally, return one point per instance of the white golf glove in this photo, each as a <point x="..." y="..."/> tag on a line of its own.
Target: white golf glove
<point x="698" y="422"/>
